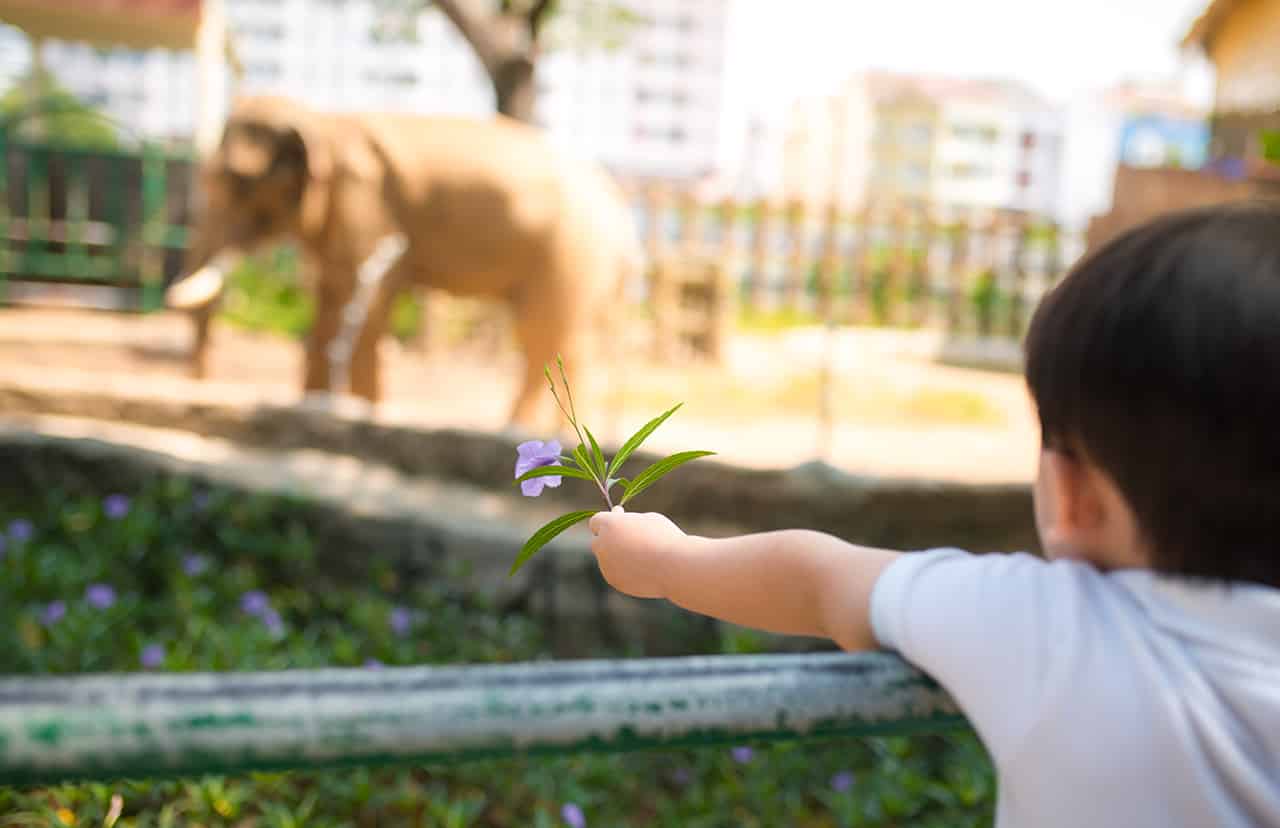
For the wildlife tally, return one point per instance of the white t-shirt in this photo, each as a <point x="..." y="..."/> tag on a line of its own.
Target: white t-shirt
<point x="1126" y="698"/>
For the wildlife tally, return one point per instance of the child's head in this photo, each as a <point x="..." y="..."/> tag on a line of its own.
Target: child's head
<point x="1155" y="368"/>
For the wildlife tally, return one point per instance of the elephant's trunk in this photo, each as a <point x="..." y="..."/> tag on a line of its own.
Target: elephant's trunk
<point x="210" y="257"/>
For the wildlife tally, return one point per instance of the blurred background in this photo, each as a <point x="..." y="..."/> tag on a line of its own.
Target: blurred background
<point x="849" y="211"/>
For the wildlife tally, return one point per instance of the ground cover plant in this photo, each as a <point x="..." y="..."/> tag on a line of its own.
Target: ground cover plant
<point x="178" y="577"/>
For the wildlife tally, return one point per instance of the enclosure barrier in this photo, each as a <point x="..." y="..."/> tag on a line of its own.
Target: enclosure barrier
<point x="154" y="725"/>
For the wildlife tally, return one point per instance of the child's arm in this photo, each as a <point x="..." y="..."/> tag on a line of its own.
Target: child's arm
<point x="794" y="581"/>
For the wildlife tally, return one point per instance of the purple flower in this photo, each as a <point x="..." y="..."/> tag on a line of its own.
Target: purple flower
<point x="254" y="602"/>
<point x="273" y="622"/>
<point x="842" y="781"/>
<point x="53" y="613"/>
<point x="401" y="619"/>
<point x="195" y="565"/>
<point x="21" y="530"/>
<point x="100" y="596"/>
<point x="152" y="656"/>
<point x="115" y="506"/>
<point x="373" y="664"/>
<point x="681" y="776"/>
<point x="534" y="455"/>
<point x="572" y="815"/>
<point x="742" y="755"/>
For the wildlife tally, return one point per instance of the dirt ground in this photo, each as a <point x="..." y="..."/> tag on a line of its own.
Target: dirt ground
<point x="897" y="412"/>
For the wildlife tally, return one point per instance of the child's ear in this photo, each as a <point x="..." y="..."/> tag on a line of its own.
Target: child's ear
<point x="1072" y="511"/>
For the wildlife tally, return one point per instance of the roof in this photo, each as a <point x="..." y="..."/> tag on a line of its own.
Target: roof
<point x="1151" y="98"/>
<point x="882" y="85"/>
<point x="1206" y="25"/>
<point x="137" y="24"/>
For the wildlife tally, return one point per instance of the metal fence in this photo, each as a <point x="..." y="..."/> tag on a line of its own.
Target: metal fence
<point x="112" y="726"/>
<point x="106" y="228"/>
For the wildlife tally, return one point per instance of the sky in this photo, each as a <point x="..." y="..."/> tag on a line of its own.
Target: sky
<point x="1062" y="49"/>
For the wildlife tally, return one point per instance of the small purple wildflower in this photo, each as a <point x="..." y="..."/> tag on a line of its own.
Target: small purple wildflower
<point x="21" y="530"/>
<point x="115" y="506"/>
<point x="100" y="596"/>
<point x="842" y="781"/>
<point x="53" y="613"/>
<point x="681" y="776"/>
<point x="373" y="664"/>
<point x="742" y="755"/>
<point x="401" y="619"/>
<point x="572" y="815"/>
<point x="255" y="602"/>
<point x="195" y="565"/>
<point x="273" y="622"/>
<point x="152" y="656"/>
<point x="535" y="454"/>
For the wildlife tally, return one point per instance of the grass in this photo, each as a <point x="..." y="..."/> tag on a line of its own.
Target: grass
<point x="180" y="560"/>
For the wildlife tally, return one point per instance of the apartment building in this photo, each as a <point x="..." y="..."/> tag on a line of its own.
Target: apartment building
<point x="653" y="105"/>
<point x="893" y="138"/>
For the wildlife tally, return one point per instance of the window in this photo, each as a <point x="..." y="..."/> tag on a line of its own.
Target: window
<point x="677" y="135"/>
<point x="1024" y="179"/>
<point x="1028" y="140"/>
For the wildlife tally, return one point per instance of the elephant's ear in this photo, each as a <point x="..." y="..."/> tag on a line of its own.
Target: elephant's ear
<point x="316" y="146"/>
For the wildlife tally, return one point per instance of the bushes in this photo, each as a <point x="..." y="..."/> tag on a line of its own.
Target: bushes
<point x="215" y="580"/>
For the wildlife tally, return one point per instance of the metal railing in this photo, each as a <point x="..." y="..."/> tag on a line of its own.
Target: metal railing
<point x="155" y="725"/>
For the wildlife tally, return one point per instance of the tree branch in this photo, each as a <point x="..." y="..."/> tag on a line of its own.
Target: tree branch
<point x="538" y="16"/>
<point x="482" y="37"/>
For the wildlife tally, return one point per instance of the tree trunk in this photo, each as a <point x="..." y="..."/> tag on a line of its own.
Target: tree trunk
<point x="515" y="88"/>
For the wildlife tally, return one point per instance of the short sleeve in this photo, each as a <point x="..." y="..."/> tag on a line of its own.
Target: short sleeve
<point x="995" y="630"/>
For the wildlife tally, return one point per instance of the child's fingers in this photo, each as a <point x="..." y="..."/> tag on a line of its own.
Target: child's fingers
<point x="618" y="509"/>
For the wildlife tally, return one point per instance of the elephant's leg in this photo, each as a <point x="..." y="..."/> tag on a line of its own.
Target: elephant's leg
<point x="365" y="377"/>
<point x="201" y="321"/>
<point x="333" y="290"/>
<point x="544" y="329"/>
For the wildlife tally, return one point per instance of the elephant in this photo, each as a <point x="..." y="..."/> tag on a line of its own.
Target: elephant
<point x="478" y="207"/>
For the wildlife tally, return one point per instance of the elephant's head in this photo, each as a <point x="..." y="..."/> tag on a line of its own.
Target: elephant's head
<point x="266" y="182"/>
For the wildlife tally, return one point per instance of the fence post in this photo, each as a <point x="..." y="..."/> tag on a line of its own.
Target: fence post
<point x="6" y="245"/>
<point x="958" y="265"/>
<point x="761" y="254"/>
<point x="153" y="198"/>
<point x="798" y="258"/>
<point x="1018" y="276"/>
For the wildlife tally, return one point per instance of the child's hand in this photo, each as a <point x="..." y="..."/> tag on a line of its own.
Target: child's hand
<point x="633" y="550"/>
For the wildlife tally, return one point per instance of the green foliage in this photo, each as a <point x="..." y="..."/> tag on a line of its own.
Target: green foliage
<point x="269" y="544"/>
<point x="1270" y="141"/>
<point x="591" y="464"/>
<point x="265" y="294"/>
<point x="55" y="116"/>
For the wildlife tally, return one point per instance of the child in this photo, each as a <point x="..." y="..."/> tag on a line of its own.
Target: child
<point x="1133" y="677"/>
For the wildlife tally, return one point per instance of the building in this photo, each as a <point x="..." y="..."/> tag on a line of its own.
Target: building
<point x="891" y="138"/>
<point x="1239" y="38"/>
<point x="654" y="106"/>
<point x="1142" y="125"/>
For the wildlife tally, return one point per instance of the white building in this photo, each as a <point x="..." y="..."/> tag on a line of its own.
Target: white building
<point x="653" y="106"/>
<point x="946" y="141"/>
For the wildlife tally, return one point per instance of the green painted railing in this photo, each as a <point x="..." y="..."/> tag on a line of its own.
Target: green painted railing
<point x="148" y="725"/>
<point x="91" y="218"/>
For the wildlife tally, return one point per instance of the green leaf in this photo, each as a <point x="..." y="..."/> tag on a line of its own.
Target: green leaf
<point x="633" y="443"/>
<point x="554" y="471"/>
<point x="546" y="534"/>
<point x="584" y="462"/>
<point x="649" y="476"/>
<point x="596" y="453"/>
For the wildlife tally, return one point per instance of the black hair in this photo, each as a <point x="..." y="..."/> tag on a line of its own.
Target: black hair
<point x="1157" y="358"/>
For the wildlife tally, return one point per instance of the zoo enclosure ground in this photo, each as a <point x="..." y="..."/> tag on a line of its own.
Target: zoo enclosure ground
<point x="897" y="411"/>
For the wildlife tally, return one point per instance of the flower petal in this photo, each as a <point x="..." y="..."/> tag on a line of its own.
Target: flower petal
<point x="530" y="448"/>
<point x="533" y="488"/>
<point x="551" y="481"/>
<point x="551" y="448"/>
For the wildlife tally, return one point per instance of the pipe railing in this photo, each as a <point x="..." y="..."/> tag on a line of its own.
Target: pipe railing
<point x="109" y="726"/>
